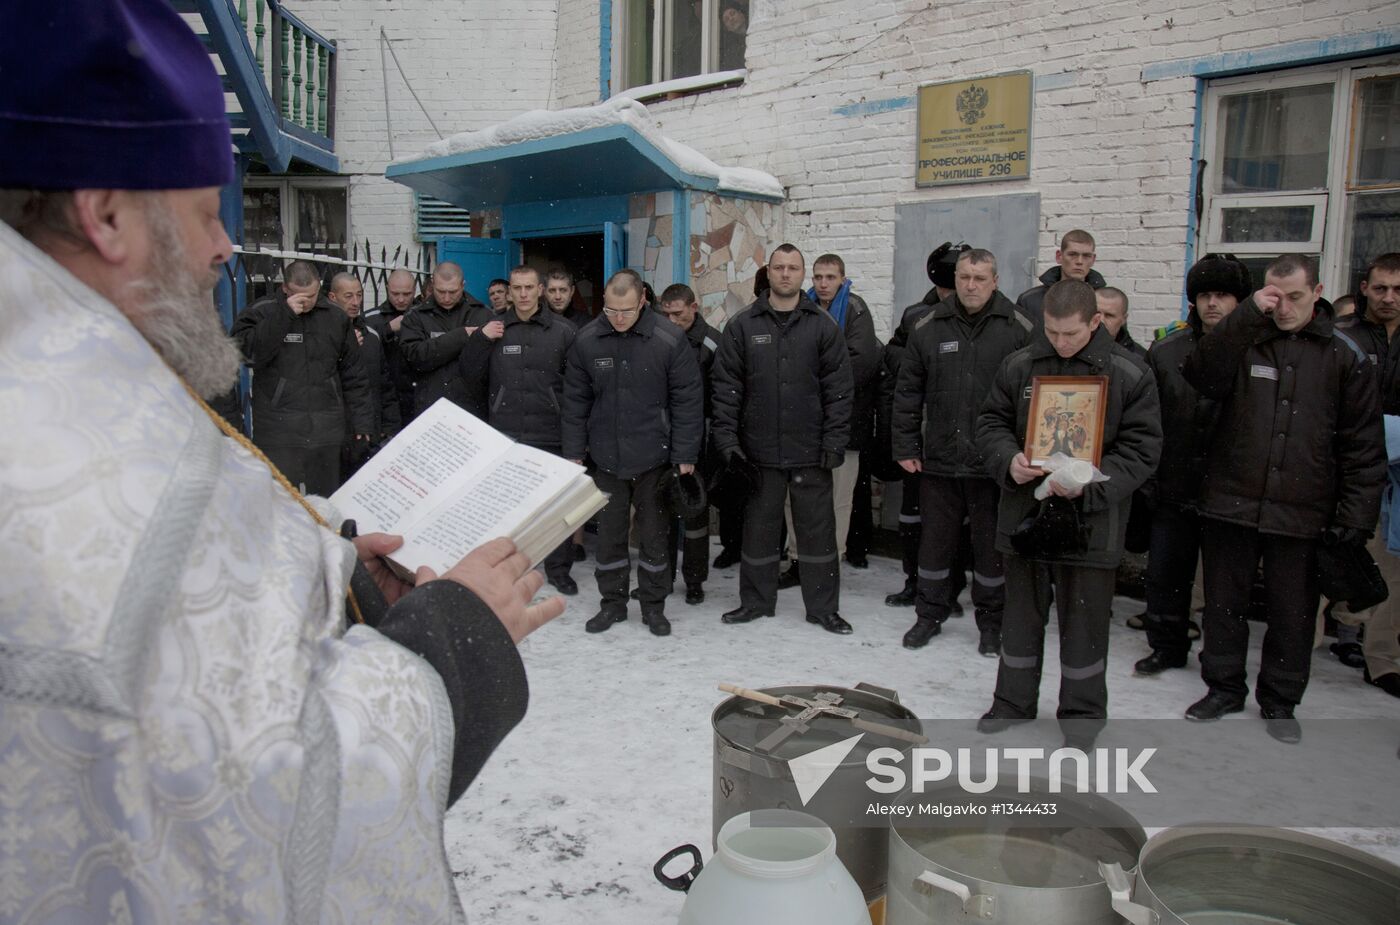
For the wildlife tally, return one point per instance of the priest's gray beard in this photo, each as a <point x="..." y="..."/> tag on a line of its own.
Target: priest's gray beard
<point x="174" y="311"/>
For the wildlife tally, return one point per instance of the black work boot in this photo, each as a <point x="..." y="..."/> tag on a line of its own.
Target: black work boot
<point x="924" y="629"/>
<point x="906" y="597"/>
<point x="603" y="620"/>
<point x="1158" y="662"/>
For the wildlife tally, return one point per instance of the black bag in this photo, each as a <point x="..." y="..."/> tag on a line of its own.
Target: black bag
<point x="1052" y="530"/>
<point x="1346" y="572"/>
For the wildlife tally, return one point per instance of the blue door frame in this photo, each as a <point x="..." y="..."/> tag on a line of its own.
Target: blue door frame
<point x="605" y="215"/>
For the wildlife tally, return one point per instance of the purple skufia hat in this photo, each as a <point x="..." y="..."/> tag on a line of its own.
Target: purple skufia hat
<point x="108" y="94"/>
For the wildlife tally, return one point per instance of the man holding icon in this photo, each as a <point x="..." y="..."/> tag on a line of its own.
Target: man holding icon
<point x="1083" y="568"/>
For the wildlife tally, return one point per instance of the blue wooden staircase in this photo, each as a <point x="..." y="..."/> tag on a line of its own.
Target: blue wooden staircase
<point x="279" y="79"/>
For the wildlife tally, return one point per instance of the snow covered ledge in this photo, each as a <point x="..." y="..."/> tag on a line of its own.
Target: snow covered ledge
<point x="544" y="125"/>
<point x="692" y="84"/>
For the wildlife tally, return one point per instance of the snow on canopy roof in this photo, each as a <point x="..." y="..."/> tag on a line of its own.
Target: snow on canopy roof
<point x="541" y="123"/>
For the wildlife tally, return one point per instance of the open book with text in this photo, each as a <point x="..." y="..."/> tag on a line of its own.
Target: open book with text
<point x="449" y="482"/>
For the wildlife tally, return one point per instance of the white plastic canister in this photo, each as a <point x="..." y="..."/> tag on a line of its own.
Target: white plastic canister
<point x="775" y="867"/>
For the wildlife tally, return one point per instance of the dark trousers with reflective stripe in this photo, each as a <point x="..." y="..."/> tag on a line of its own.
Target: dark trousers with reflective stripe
<point x="1171" y="572"/>
<point x="814" y="522"/>
<point x="1231" y="555"/>
<point x="1083" y="602"/>
<point x="910" y="525"/>
<point x="311" y="470"/>
<point x="945" y="503"/>
<point x="690" y="541"/>
<point x="614" y="561"/>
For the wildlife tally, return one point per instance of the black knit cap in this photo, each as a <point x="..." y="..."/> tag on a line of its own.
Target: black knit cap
<point x="1219" y="273"/>
<point x="943" y="262"/>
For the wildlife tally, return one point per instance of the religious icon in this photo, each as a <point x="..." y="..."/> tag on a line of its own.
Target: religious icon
<point x="1066" y="416"/>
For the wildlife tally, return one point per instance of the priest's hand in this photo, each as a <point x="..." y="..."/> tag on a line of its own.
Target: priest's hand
<point x="372" y="548"/>
<point x="501" y="576"/>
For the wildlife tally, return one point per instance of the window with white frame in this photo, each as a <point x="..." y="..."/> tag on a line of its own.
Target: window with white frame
<point x="668" y="40"/>
<point x="306" y="214"/>
<point x="1304" y="161"/>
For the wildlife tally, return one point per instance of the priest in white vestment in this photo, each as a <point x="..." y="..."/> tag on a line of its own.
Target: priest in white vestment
<point x="188" y="730"/>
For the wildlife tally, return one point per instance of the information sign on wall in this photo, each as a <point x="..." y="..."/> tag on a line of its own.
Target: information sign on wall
<point x="975" y="130"/>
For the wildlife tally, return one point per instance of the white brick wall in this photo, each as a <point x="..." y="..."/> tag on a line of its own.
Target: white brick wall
<point x="576" y="82"/>
<point x="1111" y="153"/>
<point x="472" y="63"/>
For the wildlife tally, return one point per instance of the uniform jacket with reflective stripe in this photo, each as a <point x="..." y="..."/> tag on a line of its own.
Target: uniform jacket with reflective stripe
<point x="782" y="392"/>
<point x="308" y="380"/>
<point x="1300" y="445"/>
<point x="524" y="378"/>
<point x="632" y="399"/>
<point x="1132" y="438"/>
<point x="948" y="367"/>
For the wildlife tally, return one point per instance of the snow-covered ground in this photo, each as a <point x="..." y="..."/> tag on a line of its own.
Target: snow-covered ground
<point x="612" y="766"/>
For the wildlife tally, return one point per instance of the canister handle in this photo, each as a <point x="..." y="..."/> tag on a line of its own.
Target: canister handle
<point x="1121" y="889"/>
<point x="682" y="883"/>
<point x="978" y="904"/>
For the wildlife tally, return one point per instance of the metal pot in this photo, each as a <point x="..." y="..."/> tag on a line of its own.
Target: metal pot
<point x="1221" y="875"/>
<point x="751" y="766"/>
<point x="999" y="869"/>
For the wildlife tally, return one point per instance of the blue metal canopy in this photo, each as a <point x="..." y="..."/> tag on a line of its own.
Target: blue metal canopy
<point x="610" y="160"/>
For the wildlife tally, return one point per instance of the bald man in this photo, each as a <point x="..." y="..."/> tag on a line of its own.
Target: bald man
<point x="387" y="320"/>
<point x="432" y="338"/>
<point x="348" y="294"/>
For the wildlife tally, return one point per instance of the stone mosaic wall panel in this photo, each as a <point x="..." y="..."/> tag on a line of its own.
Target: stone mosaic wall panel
<point x="729" y="240"/>
<point x="650" y="238"/>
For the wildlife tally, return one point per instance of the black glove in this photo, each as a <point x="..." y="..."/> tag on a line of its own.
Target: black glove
<point x="745" y="473"/>
<point x="1344" y="536"/>
<point x="832" y="459"/>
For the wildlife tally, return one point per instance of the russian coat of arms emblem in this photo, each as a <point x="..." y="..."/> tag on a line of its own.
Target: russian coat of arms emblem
<point x="972" y="104"/>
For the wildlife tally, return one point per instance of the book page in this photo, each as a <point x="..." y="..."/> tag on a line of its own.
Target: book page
<point x="495" y="503"/>
<point x="429" y="461"/>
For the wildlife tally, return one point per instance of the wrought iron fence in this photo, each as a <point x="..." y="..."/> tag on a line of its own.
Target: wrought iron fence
<point x="257" y="272"/>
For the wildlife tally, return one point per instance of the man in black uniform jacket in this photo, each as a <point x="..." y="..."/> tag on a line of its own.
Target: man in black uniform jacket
<point x="678" y="304"/>
<point x="387" y="320"/>
<point x="941" y="264"/>
<point x="347" y="293"/>
<point x="1074" y="260"/>
<point x="307" y="380"/>
<point x="433" y="335"/>
<point x="782" y="399"/>
<point x="523" y="353"/>
<point x="633" y="404"/>
<point x="1113" y="309"/>
<point x="559" y="297"/>
<point x="1073" y="343"/>
<point x="947" y="370"/>
<point x="1215" y="286"/>
<point x="1298" y="455"/>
